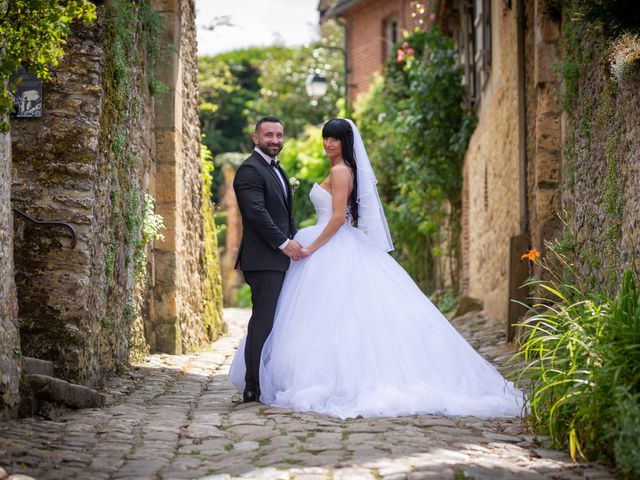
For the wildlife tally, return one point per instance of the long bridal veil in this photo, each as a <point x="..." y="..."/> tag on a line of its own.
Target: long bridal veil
<point x="371" y="219"/>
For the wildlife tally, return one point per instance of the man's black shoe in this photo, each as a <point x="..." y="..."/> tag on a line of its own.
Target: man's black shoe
<point x="249" y="396"/>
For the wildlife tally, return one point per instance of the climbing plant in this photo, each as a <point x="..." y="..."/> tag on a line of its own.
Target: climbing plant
<point x="32" y="35"/>
<point x="417" y="132"/>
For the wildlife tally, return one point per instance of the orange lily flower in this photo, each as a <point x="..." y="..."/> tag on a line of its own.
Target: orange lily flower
<point x="531" y="255"/>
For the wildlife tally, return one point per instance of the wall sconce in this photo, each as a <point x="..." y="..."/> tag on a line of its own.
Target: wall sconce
<point x="27" y="98"/>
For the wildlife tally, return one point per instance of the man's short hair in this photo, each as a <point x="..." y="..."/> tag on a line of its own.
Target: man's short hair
<point x="266" y="120"/>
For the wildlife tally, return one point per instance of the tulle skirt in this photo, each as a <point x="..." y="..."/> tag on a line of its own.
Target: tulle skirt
<point x="354" y="336"/>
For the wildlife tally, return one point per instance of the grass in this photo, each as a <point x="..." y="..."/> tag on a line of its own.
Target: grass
<point x="581" y="351"/>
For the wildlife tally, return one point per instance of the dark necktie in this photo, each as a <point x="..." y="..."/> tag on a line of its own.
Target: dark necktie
<point x="275" y="164"/>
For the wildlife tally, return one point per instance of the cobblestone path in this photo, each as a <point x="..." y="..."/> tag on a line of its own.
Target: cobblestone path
<point x="178" y="417"/>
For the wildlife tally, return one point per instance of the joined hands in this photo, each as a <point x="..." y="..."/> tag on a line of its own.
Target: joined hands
<point x="296" y="251"/>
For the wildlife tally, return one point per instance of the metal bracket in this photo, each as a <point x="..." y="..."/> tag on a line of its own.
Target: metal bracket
<point x="65" y="225"/>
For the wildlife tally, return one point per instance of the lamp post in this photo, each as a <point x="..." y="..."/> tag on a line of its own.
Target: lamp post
<point x="316" y="84"/>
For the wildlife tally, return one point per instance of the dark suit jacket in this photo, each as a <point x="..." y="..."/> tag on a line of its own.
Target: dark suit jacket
<point x="267" y="219"/>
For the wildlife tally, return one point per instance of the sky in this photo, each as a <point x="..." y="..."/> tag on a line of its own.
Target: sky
<point x="255" y="23"/>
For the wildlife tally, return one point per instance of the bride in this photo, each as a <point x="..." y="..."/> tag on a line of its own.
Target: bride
<point x="353" y="335"/>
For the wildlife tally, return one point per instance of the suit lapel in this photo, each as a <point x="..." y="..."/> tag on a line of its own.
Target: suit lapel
<point x="277" y="181"/>
<point x="289" y="192"/>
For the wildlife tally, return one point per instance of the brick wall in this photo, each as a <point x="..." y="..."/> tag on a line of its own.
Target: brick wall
<point x="366" y="47"/>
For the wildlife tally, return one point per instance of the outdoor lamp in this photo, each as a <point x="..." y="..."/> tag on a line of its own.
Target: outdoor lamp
<point x="316" y="85"/>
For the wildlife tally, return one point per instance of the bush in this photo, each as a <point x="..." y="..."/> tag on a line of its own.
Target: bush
<point x="243" y="296"/>
<point x="582" y="355"/>
<point x="416" y="132"/>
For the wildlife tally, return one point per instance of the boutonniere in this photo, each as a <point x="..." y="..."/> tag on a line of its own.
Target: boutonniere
<point x="294" y="183"/>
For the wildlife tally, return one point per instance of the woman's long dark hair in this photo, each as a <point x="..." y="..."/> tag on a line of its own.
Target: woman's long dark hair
<point x="340" y="129"/>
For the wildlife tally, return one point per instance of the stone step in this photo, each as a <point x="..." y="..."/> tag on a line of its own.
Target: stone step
<point x="32" y="366"/>
<point x="50" y="389"/>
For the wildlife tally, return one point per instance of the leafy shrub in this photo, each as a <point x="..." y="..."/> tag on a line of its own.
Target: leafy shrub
<point x="582" y="356"/>
<point x="416" y="132"/>
<point x="243" y="296"/>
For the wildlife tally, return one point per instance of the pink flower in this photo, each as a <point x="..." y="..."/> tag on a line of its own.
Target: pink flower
<point x="400" y="56"/>
<point x="432" y="16"/>
<point x="405" y="45"/>
<point x="410" y="51"/>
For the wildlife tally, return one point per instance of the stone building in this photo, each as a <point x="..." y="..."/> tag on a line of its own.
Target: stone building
<point x="495" y="219"/>
<point x="528" y="160"/>
<point x="119" y="133"/>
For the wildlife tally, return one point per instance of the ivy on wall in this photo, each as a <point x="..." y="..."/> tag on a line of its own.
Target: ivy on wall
<point x="600" y="54"/>
<point x="134" y="221"/>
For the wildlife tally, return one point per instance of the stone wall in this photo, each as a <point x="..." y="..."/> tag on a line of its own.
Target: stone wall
<point x="180" y="259"/>
<point x="543" y="124"/>
<point x="9" y="338"/>
<point x="87" y="161"/>
<point x="601" y="161"/>
<point x="491" y="189"/>
<point x="104" y="147"/>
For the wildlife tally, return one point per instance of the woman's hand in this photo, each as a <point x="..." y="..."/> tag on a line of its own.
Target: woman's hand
<point x="306" y="252"/>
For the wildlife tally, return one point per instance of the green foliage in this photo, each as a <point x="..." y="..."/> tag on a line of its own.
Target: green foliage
<point x="212" y="283"/>
<point x="282" y="83"/>
<point x="227" y="82"/>
<point x="446" y="300"/>
<point x="304" y="158"/>
<point x="32" y="35"/>
<point x="615" y="16"/>
<point x="152" y="225"/>
<point x="582" y="356"/>
<point x="417" y="132"/>
<point x="110" y="263"/>
<point x="243" y="296"/>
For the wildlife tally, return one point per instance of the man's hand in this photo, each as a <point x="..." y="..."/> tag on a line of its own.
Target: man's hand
<point x="294" y="250"/>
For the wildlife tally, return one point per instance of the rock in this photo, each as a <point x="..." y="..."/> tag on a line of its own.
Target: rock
<point x="500" y="437"/>
<point x="3" y="473"/>
<point x="466" y="305"/>
<point x="246" y="446"/>
<point x="19" y="476"/>
<point x="60" y="391"/>
<point x="32" y="365"/>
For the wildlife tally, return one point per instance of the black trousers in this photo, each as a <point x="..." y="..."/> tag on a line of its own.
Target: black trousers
<point x="265" y="290"/>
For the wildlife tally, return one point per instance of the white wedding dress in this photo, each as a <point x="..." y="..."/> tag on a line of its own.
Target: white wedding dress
<point x="354" y="336"/>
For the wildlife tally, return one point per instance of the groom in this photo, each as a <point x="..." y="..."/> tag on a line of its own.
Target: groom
<point x="265" y="202"/>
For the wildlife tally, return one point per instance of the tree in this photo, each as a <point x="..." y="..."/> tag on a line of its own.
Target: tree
<point x="33" y="33"/>
<point x="282" y="81"/>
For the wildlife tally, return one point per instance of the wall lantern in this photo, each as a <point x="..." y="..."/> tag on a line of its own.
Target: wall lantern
<point x="316" y="85"/>
<point x="27" y="98"/>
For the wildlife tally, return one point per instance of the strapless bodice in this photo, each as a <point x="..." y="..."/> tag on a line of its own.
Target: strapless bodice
<point x="323" y="203"/>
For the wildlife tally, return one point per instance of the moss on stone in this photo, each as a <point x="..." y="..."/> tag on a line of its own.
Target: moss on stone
<point x="212" y="285"/>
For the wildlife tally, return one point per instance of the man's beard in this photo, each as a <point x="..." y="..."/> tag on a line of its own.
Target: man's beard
<point x="271" y="151"/>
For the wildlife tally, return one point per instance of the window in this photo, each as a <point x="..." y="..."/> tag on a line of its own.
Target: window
<point x="391" y="35"/>
<point x="474" y="41"/>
